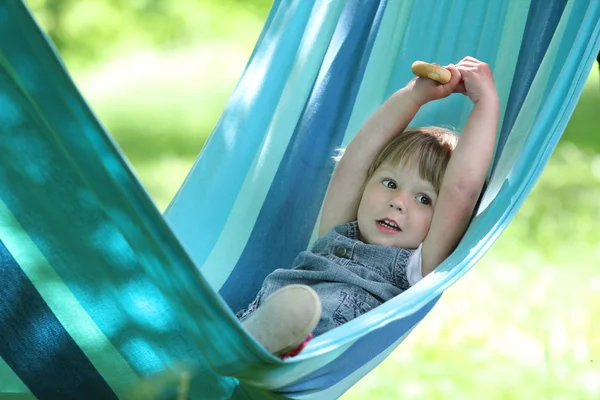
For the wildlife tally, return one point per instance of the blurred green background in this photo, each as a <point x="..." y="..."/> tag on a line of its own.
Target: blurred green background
<point x="523" y="324"/>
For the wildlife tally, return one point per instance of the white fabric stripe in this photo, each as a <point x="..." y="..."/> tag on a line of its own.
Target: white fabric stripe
<point x="414" y="268"/>
<point x="73" y="317"/>
<point x="242" y="218"/>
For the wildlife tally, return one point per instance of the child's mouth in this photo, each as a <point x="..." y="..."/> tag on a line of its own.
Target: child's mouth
<point x="387" y="225"/>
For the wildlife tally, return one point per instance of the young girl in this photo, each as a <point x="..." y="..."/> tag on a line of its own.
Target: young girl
<point x="398" y="204"/>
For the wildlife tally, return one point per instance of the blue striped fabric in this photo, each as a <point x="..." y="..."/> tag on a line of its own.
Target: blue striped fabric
<point x="541" y="24"/>
<point x="134" y="304"/>
<point x="297" y="193"/>
<point x="361" y="352"/>
<point x="226" y="161"/>
<point x="73" y="376"/>
<point x="497" y="35"/>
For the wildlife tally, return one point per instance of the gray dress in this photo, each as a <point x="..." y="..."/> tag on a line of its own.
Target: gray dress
<point x="350" y="277"/>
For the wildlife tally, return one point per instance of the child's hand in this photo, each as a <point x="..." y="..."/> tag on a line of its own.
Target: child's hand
<point x="424" y="90"/>
<point x="477" y="80"/>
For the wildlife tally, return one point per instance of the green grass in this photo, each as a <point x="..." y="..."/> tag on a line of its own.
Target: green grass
<point x="522" y="324"/>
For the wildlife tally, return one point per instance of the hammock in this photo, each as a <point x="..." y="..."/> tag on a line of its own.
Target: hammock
<point x="102" y="296"/>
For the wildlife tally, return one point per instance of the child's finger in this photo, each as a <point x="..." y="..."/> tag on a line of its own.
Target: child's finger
<point x="457" y="78"/>
<point x="469" y="59"/>
<point x="455" y="75"/>
<point x="460" y="88"/>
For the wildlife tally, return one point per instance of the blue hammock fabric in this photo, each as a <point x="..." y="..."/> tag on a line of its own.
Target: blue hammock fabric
<point x="103" y="297"/>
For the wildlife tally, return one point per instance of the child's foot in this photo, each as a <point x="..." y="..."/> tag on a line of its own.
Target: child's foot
<point x="285" y="320"/>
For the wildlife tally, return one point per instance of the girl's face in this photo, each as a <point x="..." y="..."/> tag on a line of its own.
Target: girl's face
<point x="396" y="207"/>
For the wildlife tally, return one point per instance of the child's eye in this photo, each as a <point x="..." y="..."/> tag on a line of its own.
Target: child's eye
<point x="388" y="183"/>
<point x="424" y="199"/>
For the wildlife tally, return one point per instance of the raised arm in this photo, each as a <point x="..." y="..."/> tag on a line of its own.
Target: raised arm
<point x="343" y="196"/>
<point x="468" y="166"/>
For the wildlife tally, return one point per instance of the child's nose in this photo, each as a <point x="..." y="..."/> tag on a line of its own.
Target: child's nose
<point x="397" y="202"/>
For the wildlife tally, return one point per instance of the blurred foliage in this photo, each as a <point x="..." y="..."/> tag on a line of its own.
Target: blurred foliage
<point x="559" y="220"/>
<point x="86" y="32"/>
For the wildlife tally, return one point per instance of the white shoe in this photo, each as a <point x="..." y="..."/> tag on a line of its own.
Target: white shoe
<point x="285" y="319"/>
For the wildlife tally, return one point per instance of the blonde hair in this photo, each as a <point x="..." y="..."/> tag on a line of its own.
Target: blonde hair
<point x="431" y="147"/>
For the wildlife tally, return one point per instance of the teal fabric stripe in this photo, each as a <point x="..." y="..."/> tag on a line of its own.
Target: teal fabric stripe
<point x="11" y="385"/>
<point x="301" y="181"/>
<point x="536" y="99"/>
<point x="231" y="149"/>
<point x="62" y="304"/>
<point x="360" y="353"/>
<point x="543" y="137"/>
<point x="479" y="26"/>
<point x="58" y="108"/>
<point x="116" y="253"/>
<point x="337" y="390"/>
<point x="565" y="50"/>
<point x="227" y="250"/>
<point x="507" y="55"/>
<point x="381" y="68"/>
<point x="541" y="24"/>
<point x="45" y="358"/>
<point x="437" y="43"/>
<point x="86" y="246"/>
<point x="560" y="86"/>
<point x="117" y="249"/>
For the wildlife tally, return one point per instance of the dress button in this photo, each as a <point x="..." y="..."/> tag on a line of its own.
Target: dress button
<point x="340" y="251"/>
